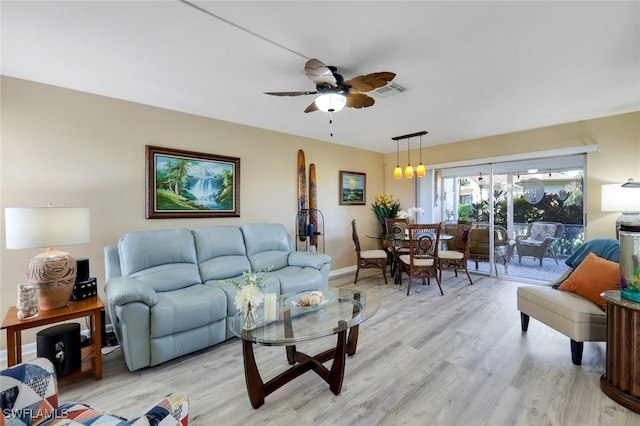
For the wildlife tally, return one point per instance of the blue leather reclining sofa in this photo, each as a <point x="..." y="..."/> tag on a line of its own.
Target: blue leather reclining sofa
<point x="164" y="293"/>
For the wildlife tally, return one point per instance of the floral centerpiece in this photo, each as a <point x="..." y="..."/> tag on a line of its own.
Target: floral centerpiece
<point x="630" y="286"/>
<point x="385" y="207"/>
<point x="249" y="295"/>
<point x="410" y="213"/>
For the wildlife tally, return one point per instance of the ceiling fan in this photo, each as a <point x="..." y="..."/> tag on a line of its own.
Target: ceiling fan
<point x="336" y="93"/>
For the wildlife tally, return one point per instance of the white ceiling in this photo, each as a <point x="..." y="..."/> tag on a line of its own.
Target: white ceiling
<point x="471" y="69"/>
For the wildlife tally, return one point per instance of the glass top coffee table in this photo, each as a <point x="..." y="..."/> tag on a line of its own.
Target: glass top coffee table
<point x="341" y="314"/>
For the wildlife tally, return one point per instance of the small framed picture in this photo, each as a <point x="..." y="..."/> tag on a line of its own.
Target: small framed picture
<point x="353" y="186"/>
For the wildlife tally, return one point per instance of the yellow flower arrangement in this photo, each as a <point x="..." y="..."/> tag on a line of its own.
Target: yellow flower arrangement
<point x="384" y="206"/>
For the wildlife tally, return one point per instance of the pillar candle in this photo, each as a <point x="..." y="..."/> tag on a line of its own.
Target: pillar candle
<point x="270" y="307"/>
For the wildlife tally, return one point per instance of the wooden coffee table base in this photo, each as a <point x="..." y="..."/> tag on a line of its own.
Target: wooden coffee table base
<point x="302" y="363"/>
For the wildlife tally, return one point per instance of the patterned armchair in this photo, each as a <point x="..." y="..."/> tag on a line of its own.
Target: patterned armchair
<point x="538" y="239"/>
<point x="29" y="396"/>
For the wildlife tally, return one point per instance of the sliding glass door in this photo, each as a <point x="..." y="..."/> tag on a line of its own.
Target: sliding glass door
<point x="528" y="215"/>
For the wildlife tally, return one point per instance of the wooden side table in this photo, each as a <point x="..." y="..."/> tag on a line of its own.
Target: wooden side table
<point x="91" y="356"/>
<point x="621" y="380"/>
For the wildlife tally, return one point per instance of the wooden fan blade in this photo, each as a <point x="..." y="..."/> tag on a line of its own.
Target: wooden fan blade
<point x="312" y="107"/>
<point x="359" y="100"/>
<point x="319" y="73"/>
<point x="368" y="82"/>
<point x="290" y="93"/>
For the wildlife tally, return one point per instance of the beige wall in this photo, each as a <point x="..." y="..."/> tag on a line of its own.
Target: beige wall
<point x="618" y="158"/>
<point x="79" y="150"/>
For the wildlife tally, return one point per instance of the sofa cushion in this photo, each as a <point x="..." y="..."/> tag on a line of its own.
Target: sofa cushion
<point x="272" y="286"/>
<point x="569" y="313"/>
<point x="223" y="267"/>
<point x="294" y="279"/>
<point x="542" y="231"/>
<point x="187" y="308"/>
<point x="305" y="258"/>
<point x="268" y="245"/>
<point x="164" y="259"/>
<point x="221" y="252"/>
<point x="593" y="276"/>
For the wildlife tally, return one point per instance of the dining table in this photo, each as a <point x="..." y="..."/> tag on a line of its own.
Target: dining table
<point x="397" y="247"/>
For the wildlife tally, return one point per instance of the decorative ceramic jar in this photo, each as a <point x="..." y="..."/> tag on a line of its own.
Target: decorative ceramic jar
<point x="630" y="262"/>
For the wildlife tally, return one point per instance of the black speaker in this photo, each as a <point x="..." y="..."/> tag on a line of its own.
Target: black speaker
<point x="83" y="270"/>
<point x="84" y="289"/>
<point x="61" y="345"/>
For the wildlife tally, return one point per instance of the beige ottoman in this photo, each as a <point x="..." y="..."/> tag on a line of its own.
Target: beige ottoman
<point x="572" y="315"/>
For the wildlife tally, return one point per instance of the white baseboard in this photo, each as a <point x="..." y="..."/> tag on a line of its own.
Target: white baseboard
<point x="343" y="271"/>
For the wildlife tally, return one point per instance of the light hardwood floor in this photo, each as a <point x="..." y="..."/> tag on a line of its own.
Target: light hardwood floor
<point x="423" y="359"/>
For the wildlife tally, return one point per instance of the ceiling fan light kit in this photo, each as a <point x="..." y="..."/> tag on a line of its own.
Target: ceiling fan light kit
<point x="331" y="102"/>
<point x="336" y="92"/>
<point x="408" y="171"/>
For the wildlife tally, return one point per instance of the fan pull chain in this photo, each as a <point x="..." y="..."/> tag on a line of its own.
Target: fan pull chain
<point x="331" y="123"/>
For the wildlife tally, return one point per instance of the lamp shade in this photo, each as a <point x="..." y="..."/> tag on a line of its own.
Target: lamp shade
<point x="331" y="102"/>
<point x="408" y="171"/>
<point x="616" y="198"/>
<point x="397" y="172"/>
<point x="46" y="227"/>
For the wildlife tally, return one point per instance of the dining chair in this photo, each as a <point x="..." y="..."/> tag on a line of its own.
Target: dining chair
<point x="422" y="260"/>
<point x="397" y="240"/>
<point x="368" y="258"/>
<point x="457" y="256"/>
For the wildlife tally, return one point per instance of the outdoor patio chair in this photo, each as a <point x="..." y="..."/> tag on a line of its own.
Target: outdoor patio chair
<point x="537" y="241"/>
<point x="479" y="246"/>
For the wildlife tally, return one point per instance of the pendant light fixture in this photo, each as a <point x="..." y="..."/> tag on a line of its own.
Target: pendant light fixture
<point x="408" y="171"/>
<point x="397" y="172"/>
<point x="420" y="170"/>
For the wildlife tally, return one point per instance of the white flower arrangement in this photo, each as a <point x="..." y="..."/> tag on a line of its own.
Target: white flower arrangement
<point x="410" y="213"/>
<point x="249" y="291"/>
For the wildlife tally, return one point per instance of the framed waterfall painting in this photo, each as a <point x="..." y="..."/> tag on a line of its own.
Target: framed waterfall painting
<point x="186" y="184"/>
<point x="353" y="187"/>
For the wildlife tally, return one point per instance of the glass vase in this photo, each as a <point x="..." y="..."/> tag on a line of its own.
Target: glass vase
<point x="249" y="322"/>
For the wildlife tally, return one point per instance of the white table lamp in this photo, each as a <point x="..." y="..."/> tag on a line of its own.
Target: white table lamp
<point x="623" y="198"/>
<point x="54" y="271"/>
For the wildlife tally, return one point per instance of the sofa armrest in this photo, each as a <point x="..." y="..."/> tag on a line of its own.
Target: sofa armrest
<point x="307" y="259"/>
<point x="123" y="290"/>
